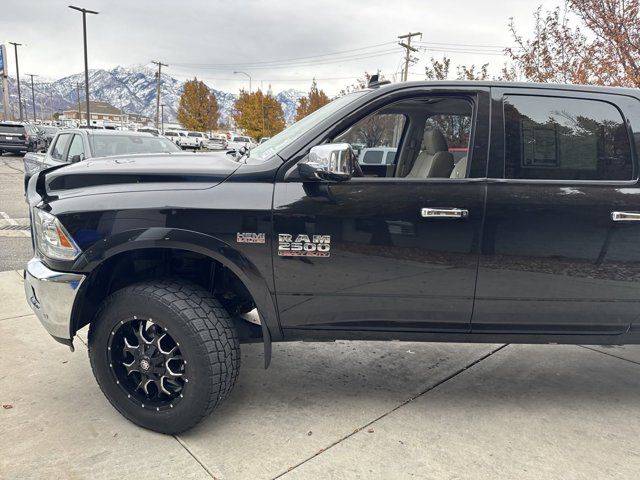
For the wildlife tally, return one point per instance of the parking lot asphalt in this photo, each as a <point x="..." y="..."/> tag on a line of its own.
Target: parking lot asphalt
<point x="332" y="410"/>
<point x="15" y="241"/>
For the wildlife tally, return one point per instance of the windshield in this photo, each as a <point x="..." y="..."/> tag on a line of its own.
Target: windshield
<point x="276" y="143"/>
<point x="107" y="145"/>
<point x="240" y="139"/>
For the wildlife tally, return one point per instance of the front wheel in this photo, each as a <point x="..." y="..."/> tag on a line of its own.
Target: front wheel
<point x="165" y="354"/>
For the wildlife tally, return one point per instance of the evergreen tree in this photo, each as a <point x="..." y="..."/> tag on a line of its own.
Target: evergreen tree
<point x="309" y="104"/>
<point x="198" y="108"/>
<point x="258" y="115"/>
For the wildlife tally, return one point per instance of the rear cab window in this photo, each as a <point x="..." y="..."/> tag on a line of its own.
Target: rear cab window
<point x="558" y="138"/>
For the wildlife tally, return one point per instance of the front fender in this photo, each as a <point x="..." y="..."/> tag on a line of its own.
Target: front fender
<point x="212" y="247"/>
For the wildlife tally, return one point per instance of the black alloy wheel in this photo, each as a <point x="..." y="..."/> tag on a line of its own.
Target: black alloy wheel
<point x="146" y="362"/>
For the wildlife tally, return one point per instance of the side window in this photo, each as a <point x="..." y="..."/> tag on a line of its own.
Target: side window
<point x="424" y="137"/>
<point x="57" y="152"/>
<point x="76" y="148"/>
<point x="549" y="138"/>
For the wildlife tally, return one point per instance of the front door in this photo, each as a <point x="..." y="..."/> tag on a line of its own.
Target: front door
<point x="554" y="260"/>
<point x="395" y="249"/>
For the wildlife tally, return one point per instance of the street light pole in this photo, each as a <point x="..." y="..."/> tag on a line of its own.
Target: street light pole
<point x="15" y="47"/>
<point x="249" y="76"/>
<point x="33" y="95"/>
<point x="86" y="61"/>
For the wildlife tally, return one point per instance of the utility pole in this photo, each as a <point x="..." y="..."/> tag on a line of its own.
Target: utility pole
<point x="4" y="80"/>
<point x="162" y="116"/>
<point x="407" y="46"/>
<point x="33" y="96"/>
<point x="84" y="12"/>
<point x="160" y="65"/>
<point x="15" y="48"/>
<point x="79" y="110"/>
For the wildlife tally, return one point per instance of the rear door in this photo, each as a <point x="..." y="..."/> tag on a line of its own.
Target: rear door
<point x="558" y="253"/>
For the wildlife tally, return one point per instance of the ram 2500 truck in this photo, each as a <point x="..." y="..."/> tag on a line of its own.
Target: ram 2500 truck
<point x="509" y="213"/>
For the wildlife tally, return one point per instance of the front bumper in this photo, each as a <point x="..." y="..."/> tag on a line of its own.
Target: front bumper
<point x="51" y="295"/>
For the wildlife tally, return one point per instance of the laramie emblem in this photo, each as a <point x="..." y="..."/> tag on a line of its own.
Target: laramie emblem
<point x="304" y="245"/>
<point x="250" y="237"/>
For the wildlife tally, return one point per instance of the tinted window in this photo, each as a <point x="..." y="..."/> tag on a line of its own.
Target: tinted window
<point x="241" y="139"/>
<point x="372" y="156"/>
<point x="14" y="129"/>
<point x="76" y="148"/>
<point x="61" y="144"/>
<point x="565" y="139"/>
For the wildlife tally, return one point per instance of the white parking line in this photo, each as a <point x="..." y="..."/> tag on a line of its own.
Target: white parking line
<point x="7" y="221"/>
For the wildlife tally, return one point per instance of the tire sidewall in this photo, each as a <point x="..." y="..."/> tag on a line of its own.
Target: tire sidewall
<point x="126" y="305"/>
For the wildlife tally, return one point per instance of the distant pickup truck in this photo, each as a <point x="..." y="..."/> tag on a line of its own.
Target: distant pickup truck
<point x="71" y="146"/>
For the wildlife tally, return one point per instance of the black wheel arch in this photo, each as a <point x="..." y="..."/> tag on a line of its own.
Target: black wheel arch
<point x="109" y="260"/>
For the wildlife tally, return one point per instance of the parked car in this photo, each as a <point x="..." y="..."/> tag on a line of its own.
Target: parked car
<point x="532" y="237"/>
<point x="18" y="137"/>
<point x="236" y="142"/>
<point x="200" y="138"/>
<point x="188" y="142"/>
<point x="48" y="132"/>
<point x="173" y="136"/>
<point x="378" y="161"/>
<point x="216" y="141"/>
<point x="151" y="130"/>
<point x="72" y="146"/>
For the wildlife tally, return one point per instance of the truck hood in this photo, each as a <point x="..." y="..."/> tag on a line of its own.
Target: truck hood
<point x="173" y="171"/>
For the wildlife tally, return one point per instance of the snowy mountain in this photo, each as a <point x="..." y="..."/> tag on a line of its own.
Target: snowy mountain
<point x="131" y="89"/>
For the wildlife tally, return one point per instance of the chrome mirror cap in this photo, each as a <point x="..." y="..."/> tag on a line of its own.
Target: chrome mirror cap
<point x="333" y="161"/>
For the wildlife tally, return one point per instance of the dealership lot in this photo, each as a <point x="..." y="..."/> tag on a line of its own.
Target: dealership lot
<point x="15" y="242"/>
<point x="333" y="410"/>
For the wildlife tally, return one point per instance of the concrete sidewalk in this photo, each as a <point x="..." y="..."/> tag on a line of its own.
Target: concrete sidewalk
<point x="333" y="410"/>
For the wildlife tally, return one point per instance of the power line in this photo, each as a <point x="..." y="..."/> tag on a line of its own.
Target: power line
<point x="263" y="62"/>
<point x="355" y="57"/>
<point x="450" y="50"/>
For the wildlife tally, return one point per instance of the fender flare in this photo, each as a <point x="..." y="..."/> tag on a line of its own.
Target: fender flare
<point x="188" y="240"/>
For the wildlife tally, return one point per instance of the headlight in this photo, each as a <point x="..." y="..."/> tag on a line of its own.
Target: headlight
<point x="51" y="237"/>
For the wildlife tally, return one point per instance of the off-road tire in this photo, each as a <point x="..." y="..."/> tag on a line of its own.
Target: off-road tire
<point x="206" y="337"/>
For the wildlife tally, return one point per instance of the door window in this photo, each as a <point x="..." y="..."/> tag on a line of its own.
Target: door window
<point x="57" y="153"/>
<point x="549" y="138"/>
<point x="425" y="137"/>
<point x="76" y="149"/>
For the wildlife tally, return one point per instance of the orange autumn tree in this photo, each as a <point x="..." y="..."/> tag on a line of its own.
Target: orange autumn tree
<point x="312" y="102"/>
<point x="585" y="41"/>
<point x="198" y="109"/>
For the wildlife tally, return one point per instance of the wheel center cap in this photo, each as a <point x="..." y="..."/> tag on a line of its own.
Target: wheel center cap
<point x="144" y="364"/>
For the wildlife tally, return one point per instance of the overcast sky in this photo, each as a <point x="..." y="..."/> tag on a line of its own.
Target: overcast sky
<point x="210" y="39"/>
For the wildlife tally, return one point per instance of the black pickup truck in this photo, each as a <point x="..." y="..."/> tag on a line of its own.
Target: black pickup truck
<point x="509" y="213"/>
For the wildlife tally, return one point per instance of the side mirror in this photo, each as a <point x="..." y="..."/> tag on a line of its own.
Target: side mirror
<point x="76" y="158"/>
<point x="333" y="161"/>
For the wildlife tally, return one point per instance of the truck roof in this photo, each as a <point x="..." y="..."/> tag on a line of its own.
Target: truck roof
<point x="634" y="92"/>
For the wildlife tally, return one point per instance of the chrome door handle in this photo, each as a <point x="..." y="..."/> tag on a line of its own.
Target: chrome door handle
<point x="625" y="216"/>
<point x="445" y="213"/>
